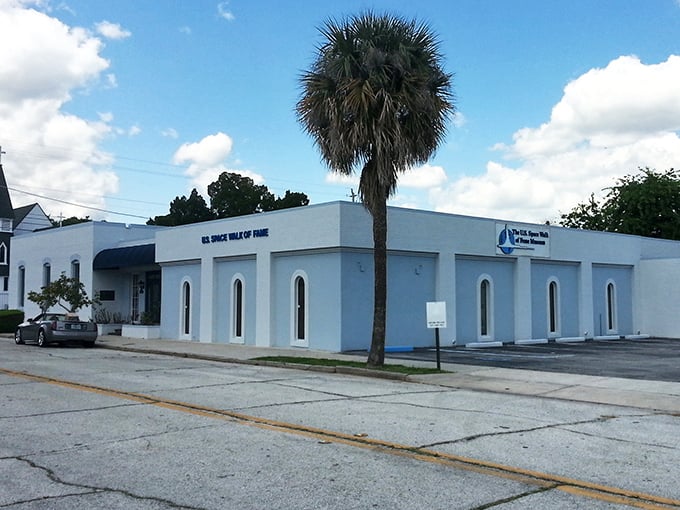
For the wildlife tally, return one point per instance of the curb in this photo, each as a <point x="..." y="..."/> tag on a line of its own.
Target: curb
<point x="362" y="372"/>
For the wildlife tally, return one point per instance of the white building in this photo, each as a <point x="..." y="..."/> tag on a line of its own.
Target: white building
<point x="303" y="277"/>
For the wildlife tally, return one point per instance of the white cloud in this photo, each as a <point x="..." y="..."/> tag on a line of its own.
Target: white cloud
<point x="106" y="117"/>
<point x="206" y="159"/>
<point x="459" y="120"/>
<point x="48" y="150"/>
<point x="426" y="176"/>
<point x="134" y="130"/>
<point x="111" y="80"/>
<point x="112" y="30"/>
<point x="210" y="151"/>
<point x="224" y="12"/>
<point x="609" y="122"/>
<point x="185" y="30"/>
<point x="345" y="180"/>
<point x="170" y="133"/>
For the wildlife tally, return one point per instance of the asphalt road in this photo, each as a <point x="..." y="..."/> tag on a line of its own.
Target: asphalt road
<point x="651" y="359"/>
<point x="96" y="428"/>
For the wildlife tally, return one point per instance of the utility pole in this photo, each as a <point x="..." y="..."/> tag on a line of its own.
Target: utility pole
<point x="352" y="195"/>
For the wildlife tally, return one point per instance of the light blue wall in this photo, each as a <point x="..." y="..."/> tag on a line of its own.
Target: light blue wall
<point x="410" y="284"/>
<point x="567" y="280"/>
<point x="357" y="300"/>
<point x="622" y="278"/>
<point x="468" y="271"/>
<point x="324" y="307"/>
<point x="225" y="270"/>
<point x="172" y="277"/>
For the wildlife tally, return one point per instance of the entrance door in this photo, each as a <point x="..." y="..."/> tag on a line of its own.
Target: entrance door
<point x="152" y="303"/>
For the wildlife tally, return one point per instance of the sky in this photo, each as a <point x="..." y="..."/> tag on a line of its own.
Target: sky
<point x="113" y="108"/>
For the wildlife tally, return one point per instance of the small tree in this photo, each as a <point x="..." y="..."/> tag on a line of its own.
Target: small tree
<point x="63" y="291"/>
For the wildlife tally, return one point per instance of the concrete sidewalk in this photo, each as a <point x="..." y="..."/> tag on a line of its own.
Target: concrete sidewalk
<point x="652" y="395"/>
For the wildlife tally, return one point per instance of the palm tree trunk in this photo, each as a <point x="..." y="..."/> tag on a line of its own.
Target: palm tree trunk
<point x="376" y="356"/>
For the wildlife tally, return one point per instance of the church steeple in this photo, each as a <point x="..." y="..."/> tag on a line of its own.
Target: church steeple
<point x="6" y="209"/>
<point x="6" y="232"/>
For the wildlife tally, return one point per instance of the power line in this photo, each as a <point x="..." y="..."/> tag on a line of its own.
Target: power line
<point x="76" y="205"/>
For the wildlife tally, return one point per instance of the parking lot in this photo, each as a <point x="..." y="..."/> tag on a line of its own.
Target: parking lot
<point x="652" y="359"/>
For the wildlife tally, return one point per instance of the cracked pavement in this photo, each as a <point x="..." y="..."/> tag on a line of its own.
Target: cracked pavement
<point x="66" y="447"/>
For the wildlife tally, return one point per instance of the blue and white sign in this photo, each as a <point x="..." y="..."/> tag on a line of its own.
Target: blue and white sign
<point x="235" y="236"/>
<point x="522" y="240"/>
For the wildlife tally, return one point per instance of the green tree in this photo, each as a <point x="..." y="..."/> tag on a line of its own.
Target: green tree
<point x="291" y="199"/>
<point x="645" y="204"/>
<point x="376" y="98"/>
<point x="72" y="220"/>
<point x="587" y="216"/>
<point x="184" y="210"/>
<point x="231" y="194"/>
<point x="234" y="194"/>
<point x="63" y="291"/>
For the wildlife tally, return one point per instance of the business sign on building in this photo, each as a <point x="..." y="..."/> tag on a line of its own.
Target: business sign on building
<point x="522" y="240"/>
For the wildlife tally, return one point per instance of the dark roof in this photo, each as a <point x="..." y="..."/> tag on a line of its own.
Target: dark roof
<point x="21" y="212"/>
<point x="6" y="210"/>
<point x="116" y="258"/>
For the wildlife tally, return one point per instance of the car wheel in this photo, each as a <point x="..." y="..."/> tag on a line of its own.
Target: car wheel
<point x="17" y="337"/>
<point x="41" y="338"/>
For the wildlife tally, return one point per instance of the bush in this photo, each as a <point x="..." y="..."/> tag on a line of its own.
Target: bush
<point x="10" y="319"/>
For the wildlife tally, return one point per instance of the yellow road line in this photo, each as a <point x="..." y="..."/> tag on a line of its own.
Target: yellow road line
<point x="572" y="486"/>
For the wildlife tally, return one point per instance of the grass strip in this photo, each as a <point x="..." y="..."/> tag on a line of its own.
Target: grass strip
<point x="326" y="362"/>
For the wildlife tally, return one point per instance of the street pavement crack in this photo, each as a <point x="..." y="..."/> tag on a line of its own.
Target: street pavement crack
<point x="68" y="411"/>
<point x="474" y="437"/>
<point x="90" y="489"/>
<point x="515" y="497"/>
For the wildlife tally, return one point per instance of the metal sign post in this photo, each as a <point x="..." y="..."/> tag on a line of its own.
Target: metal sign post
<point x="436" y="318"/>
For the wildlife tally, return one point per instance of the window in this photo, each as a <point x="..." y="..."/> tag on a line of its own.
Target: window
<point x="47" y="274"/>
<point x="484" y="308"/>
<point x="134" y="298"/>
<point x="186" y="309"/>
<point x="75" y="269"/>
<point x="3" y="254"/>
<point x="553" y="308"/>
<point x="5" y="283"/>
<point x="107" y="295"/>
<point x="21" y="285"/>
<point x="611" y="307"/>
<point x="5" y="225"/>
<point x="299" y="312"/>
<point x="237" y="309"/>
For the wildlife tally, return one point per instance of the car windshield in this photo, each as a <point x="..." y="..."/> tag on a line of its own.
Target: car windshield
<point x="50" y="317"/>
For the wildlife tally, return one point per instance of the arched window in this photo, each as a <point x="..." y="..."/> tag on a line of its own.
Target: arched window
<point x="3" y="254"/>
<point x="21" y="285"/>
<point x="47" y="274"/>
<point x="611" y="307"/>
<point x="237" y="309"/>
<point x="485" y="308"/>
<point x="299" y="301"/>
<point x="75" y="269"/>
<point x="186" y="309"/>
<point x="553" y="308"/>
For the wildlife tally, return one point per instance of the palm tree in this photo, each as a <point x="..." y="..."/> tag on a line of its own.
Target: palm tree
<point x="376" y="98"/>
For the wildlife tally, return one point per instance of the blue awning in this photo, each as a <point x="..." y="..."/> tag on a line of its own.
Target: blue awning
<point x="117" y="258"/>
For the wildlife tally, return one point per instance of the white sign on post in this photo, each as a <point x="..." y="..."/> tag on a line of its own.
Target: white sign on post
<point x="436" y="314"/>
